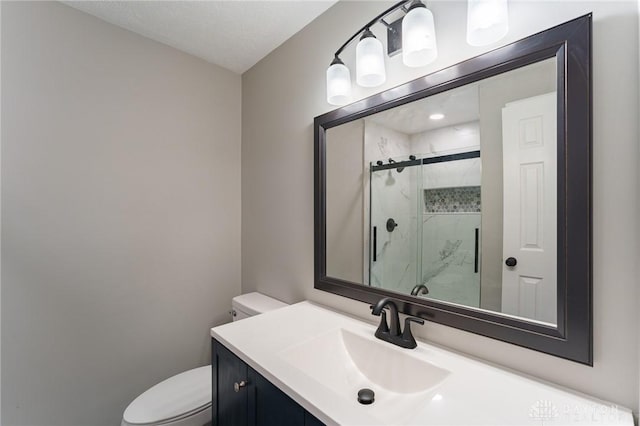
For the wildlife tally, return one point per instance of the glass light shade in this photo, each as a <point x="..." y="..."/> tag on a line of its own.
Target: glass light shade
<point x="370" y="63"/>
<point x="418" y="38"/>
<point x="487" y="21"/>
<point x="338" y="84"/>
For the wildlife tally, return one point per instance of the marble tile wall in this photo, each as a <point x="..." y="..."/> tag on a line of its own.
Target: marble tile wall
<point x="461" y="137"/>
<point x="448" y="257"/>
<point x="452" y="174"/>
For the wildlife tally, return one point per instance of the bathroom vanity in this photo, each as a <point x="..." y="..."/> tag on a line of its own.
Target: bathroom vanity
<point x="242" y="396"/>
<point x="304" y="365"/>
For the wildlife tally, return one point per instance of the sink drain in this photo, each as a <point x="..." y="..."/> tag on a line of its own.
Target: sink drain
<point x="366" y="396"/>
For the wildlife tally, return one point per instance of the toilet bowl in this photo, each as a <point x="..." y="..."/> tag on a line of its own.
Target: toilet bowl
<point x="185" y="399"/>
<point x="181" y="400"/>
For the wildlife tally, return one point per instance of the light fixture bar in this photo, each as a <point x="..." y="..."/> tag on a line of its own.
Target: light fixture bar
<point x="414" y="35"/>
<point x="370" y="60"/>
<point x="375" y="20"/>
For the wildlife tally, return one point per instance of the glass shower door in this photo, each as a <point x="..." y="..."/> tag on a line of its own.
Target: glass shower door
<point x="394" y="236"/>
<point x="451" y="231"/>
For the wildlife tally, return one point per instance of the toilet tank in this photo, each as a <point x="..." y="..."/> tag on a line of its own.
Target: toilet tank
<point x="250" y="304"/>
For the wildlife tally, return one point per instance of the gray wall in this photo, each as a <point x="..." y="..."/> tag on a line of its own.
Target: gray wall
<point x="637" y="237"/>
<point x="345" y="201"/>
<point x="284" y="91"/>
<point x="120" y="213"/>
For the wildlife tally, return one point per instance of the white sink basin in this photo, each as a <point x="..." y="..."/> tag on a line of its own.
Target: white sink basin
<point x="322" y="358"/>
<point x="346" y="362"/>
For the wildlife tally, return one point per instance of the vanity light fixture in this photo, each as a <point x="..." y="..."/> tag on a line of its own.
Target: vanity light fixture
<point x="487" y="21"/>
<point x="418" y="36"/>
<point x="419" y="44"/>
<point x="338" y="83"/>
<point x="436" y="116"/>
<point x="369" y="61"/>
<point x="414" y="35"/>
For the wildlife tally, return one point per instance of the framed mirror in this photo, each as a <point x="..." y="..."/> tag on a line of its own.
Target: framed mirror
<point x="465" y="195"/>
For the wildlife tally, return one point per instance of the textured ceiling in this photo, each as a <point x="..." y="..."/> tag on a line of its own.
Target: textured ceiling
<point x="233" y="34"/>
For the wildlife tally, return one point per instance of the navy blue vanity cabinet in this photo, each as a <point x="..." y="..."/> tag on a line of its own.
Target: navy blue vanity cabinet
<point x="268" y="405"/>
<point x="242" y="397"/>
<point x="229" y="401"/>
<point x="309" y="420"/>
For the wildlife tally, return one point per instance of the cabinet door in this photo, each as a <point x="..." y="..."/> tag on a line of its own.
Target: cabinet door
<point x="310" y="420"/>
<point x="229" y="402"/>
<point x="269" y="406"/>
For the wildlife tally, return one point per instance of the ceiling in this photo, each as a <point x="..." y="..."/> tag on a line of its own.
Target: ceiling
<point x="458" y="106"/>
<point x="461" y="104"/>
<point x="233" y="34"/>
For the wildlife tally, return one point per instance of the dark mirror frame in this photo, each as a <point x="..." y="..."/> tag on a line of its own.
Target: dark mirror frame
<point x="570" y="44"/>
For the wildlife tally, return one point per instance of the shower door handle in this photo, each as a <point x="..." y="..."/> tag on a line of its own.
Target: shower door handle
<point x="375" y="243"/>
<point x="477" y="250"/>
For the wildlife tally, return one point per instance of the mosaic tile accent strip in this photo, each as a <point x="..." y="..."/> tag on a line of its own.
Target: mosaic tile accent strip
<point x="461" y="199"/>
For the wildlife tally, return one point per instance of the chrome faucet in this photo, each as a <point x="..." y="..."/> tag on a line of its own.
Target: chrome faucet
<point x="391" y="333"/>
<point x="419" y="289"/>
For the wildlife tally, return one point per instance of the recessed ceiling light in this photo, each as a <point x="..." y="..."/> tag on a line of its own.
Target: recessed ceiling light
<point x="436" y="116"/>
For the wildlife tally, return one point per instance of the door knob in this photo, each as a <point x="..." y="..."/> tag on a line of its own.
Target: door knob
<point x="511" y="262"/>
<point x="237" y="386"/>
<point x="391" y="224"/>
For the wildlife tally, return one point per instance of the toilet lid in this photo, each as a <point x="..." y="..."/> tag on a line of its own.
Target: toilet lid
<point x="178" y="395"/>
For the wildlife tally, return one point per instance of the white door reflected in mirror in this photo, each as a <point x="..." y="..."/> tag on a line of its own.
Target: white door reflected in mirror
<point x="529" y="288"/>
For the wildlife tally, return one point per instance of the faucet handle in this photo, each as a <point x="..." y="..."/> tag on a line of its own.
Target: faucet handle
<point x="407" y="320"/>
<point x="407" y="336"/>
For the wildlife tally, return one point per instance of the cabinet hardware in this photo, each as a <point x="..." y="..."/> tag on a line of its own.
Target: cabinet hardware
<point x="237" y="386"/>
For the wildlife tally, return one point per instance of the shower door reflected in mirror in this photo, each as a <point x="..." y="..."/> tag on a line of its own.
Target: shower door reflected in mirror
<point x="425" y="227"/>
<point x="395" y="243"/>
<point x="451" y="229"/>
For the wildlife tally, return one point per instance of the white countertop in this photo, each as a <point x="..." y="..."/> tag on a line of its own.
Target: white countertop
<point x="473" y="393"/>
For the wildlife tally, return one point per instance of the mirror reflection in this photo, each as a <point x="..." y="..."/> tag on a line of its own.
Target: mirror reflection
<point x="452" y="197"/>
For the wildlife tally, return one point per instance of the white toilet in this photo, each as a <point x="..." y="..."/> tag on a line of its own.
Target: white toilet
<point x="185" y="399"/>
